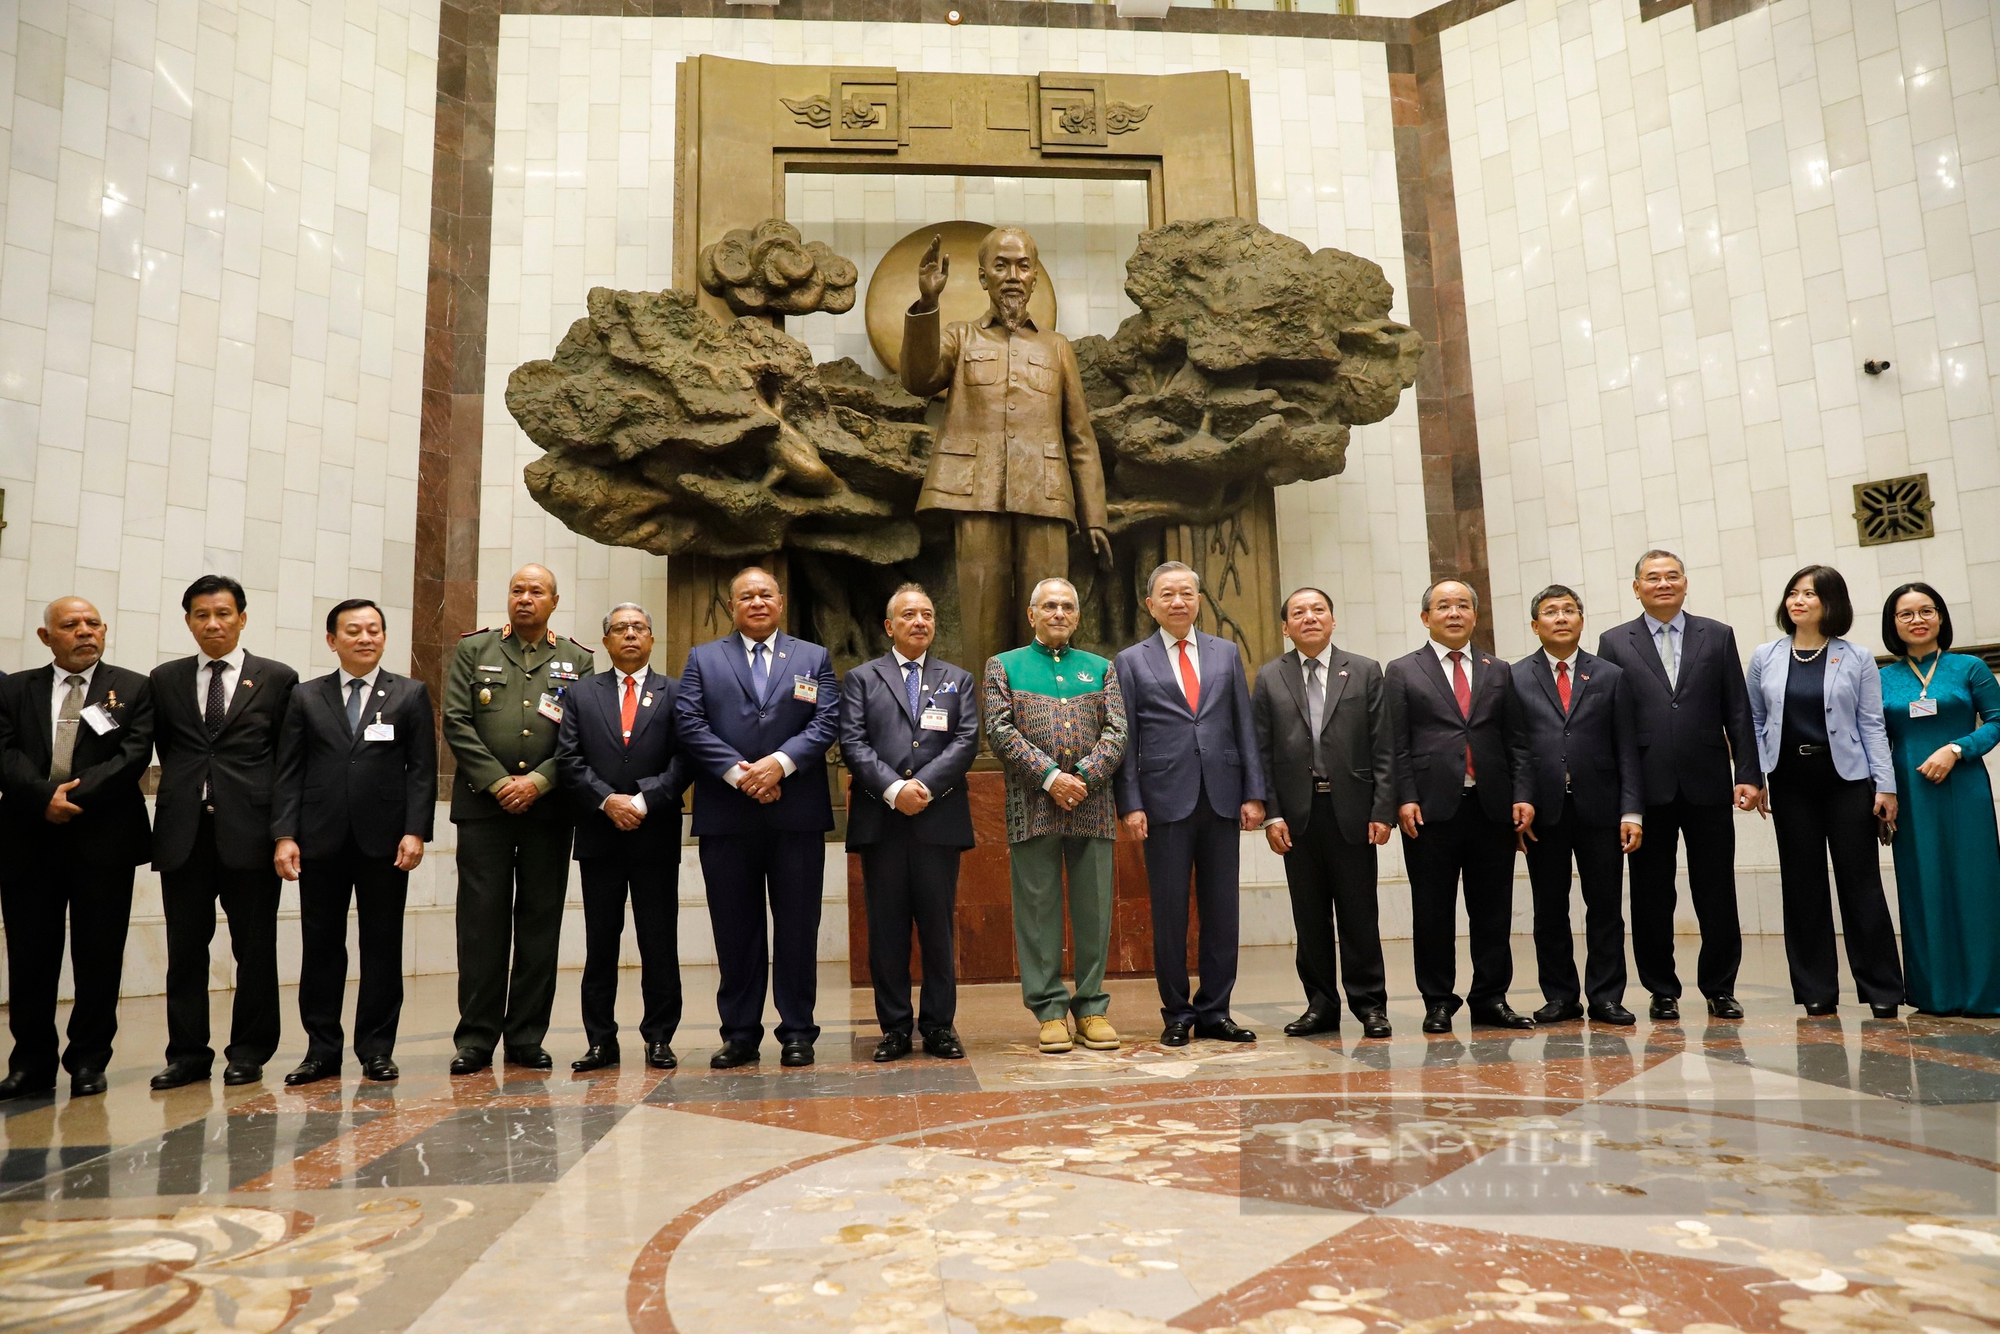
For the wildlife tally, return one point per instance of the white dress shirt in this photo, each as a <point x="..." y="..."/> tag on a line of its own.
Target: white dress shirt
<point x="735" y="776"/>
<point x="232" y="672"/>
<point x="1555" y="662"/>
<point x="1325" y="660"/>
<point x="366" y="695"/>
<point x="61" y="691"/>
<point x="889" y="792"/>
<point x="638" y="680"/>
<point x="1174" y="653"/>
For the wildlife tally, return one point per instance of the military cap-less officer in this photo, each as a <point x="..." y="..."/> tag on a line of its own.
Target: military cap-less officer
<point x="503" y="705"/>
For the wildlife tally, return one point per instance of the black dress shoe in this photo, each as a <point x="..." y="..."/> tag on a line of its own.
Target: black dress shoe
<point x="311" y="1070"/>
<point x="86" y="1083"/>
<point x="1559" y="1012"/>
<point x="1313" y="1021"/>
<point x="1176" y="1034"/>
<point x="943" y="1043"/>
<point x="380" y="1069"/>
<point x="1500" y="1015"/>
<point x="1883" y="1011"/>
<point x="732" y="1054"/>
<point x="1820" y="1009"/>
<point x="797" y="1052"/>
<point x="470" y="1061"/>
<point x="1612" y="1014"/>
<point x="1725" y="1007"/>
<point x="21" y="1084"/>
<point x="1375" y="1024"/>
<point x="1664" y="1008"/>
<point x="178" y="1073"/>
<point x="530" y="1058"/>
<point x="1224" y="1030"/>
<point x="242" y="1072"/>
<point x="660" y="1056"/>
<point x="892" y="1047"/>
<point x="596" y="1058"/>
<point x="1437" y="1019"/>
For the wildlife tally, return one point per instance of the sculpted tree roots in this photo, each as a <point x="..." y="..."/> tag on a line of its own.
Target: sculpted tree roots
<point x="668" y="429"/>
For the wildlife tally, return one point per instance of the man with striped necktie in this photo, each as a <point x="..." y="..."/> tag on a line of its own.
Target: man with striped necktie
<point x="75" y="737"/>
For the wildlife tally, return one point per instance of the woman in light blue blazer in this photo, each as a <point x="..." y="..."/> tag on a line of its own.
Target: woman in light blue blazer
<point x="1816" y="700"/>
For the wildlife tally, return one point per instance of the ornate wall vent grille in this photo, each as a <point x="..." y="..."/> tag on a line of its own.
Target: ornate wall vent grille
<point x="1896" y="510"/>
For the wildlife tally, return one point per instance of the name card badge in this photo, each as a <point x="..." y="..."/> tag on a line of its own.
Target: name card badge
<point x="100" y="719"/>
<point x="550" y="709"/>
<point x="933" y="719"/>
<point x="379" y="730"/>
<point x="805" y="688"/>
<point x="1922" y="707"/>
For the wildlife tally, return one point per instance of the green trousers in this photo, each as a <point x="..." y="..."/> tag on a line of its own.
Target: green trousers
<point x="513" y="874"/>
<point x="1038" y="865"/>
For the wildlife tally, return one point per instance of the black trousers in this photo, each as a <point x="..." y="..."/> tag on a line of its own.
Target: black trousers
<point x="377" y="889"/>
<point x="38" y="898"/>
<point x="741" y="873"/>
<point x="1332" y="883"/>
<point x="1480" y="850"/>
<point x="911" y="882"/>
<point x="513" y="875"/>
<point x="1209" y="848"/>
<point x="654" y="884"/>
<point x="1600" y="865"/>
<point x="249" y="899"/>
<point x="1711" y="855"/>
<point x="1816" y="812"/>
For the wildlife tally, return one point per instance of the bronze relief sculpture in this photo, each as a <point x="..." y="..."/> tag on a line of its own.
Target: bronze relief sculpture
<point x="668" y="429"/>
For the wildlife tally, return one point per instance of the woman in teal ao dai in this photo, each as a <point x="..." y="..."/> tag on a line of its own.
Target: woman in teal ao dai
<point x="1943" y="711"/>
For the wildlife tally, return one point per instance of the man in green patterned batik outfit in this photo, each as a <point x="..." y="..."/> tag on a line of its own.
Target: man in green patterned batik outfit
<point x="1057" y="721"/>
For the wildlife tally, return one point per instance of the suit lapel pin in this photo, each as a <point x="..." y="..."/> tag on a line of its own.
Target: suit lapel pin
<point x="247" y="683"/>
<point x="648" y="701"/>
<point x="1343" y="673"/>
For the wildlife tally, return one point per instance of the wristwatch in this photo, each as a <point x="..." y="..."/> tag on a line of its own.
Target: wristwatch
<point x="1956" y="749"/>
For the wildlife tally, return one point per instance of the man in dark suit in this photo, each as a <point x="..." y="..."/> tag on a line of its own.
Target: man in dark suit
<point x="1583" y="739"/>
<point x="1323" y="730"/>
<point x="74" y="740"/>
<point x="1695" y="734"/>
<point x="216" y="717"/>
<point x="357" y="795"/>
<point x="757" y="711"/>
<point x="1190" y="782"/>
<point x="1463" y="793"/>
<point x="909" y="730"/>
<point x="619" y="759"/>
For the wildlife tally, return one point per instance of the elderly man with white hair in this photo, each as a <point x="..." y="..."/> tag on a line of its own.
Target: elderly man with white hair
<point x="1057" y="722"/>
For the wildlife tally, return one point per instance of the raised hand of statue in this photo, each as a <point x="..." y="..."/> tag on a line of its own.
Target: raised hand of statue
<point x="933" y="270"/>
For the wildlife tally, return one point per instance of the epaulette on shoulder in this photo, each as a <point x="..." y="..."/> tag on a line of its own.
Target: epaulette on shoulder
<point x="484" y="629"/>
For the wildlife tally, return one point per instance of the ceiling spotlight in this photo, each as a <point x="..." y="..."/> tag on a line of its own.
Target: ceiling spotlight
<point x="953" y="17"/>
<point x="1874" y="367"/>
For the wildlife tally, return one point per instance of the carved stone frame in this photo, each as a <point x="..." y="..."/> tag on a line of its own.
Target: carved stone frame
<point x="1186" y="135"/>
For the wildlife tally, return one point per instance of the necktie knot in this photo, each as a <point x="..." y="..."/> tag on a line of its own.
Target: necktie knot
<point x="73" y="681"/>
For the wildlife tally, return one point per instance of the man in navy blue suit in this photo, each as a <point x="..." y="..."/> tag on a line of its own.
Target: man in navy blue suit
<point x="1191" y="780"/>
<point x="757" y="711"/>
<point x="909" y="730"/>
<point x="619" y="758"/>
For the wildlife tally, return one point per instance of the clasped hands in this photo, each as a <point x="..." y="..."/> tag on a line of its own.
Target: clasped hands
<point x="61" y="809"/>
<point x="912" y="797"/>
<point x="623" y="811"/>
<point x="759" y="780"/>
<point x="517" y="794"/>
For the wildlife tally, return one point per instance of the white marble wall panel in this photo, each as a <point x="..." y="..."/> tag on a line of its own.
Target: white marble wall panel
<point x="1681" y="246"/>
<point x="216" y="227"/>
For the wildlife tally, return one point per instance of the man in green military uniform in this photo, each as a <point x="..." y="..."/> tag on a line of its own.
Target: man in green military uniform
<point x="503" y="704"/>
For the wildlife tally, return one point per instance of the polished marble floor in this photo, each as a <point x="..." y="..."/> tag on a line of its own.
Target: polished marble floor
<point x="1826" y="1176"/>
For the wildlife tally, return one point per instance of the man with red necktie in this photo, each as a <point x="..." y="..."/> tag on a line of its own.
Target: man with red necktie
<point x="1191" y="780"/>
<point x="618" y="758"/>
<point x="1589" y="795"/>
<point x="1464" y="794"/>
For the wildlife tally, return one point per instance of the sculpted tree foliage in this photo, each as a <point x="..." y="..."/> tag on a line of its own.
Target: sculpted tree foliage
<point x="1248" y="360"/>
<point x="668" y="429"/>
<point x="769" y="270"/>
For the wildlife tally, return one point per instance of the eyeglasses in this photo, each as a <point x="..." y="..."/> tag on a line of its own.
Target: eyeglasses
<point x="1919" y="614"/>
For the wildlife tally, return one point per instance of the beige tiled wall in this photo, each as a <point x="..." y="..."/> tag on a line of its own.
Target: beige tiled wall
<point x="211" y="311"/>
<point x="1680" y="248"/>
